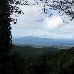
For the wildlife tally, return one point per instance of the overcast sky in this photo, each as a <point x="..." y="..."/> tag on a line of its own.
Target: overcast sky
<point x="50" y="27"/>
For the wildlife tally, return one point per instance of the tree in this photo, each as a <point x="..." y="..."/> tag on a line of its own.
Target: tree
<point x="5" y="28"/>
<point x="5" y="35"/>
<point x="6" y="9"/>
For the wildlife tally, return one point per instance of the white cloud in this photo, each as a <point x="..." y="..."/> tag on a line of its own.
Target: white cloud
<point x="27" y="19"/>
<point x="53" y="22"/>
<point x="51" y="27"/>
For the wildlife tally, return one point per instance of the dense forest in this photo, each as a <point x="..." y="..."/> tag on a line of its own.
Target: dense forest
<point x="54" y="61"/>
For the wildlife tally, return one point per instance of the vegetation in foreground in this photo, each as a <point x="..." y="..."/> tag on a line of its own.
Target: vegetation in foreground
<point x="51" y="62"/>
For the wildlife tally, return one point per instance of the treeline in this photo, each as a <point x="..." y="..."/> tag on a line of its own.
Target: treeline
<point x="51" y="62"/>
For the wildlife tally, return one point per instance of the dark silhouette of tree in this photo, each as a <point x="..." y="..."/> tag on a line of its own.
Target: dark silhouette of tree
<point x="5" y="28"/>
<point x="5" y="36"/>
<point x="6" y="9"/>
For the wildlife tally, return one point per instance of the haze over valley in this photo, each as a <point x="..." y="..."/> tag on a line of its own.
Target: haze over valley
<point x="36" y="41"/>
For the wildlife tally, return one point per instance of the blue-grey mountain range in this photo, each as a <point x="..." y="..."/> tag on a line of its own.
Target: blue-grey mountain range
<point x="42" y="41"/>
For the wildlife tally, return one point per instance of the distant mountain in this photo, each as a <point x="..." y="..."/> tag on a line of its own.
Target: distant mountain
<point x="42" y="41"/>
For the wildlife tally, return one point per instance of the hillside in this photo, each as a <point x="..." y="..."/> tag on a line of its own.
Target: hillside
<point x="42" y="41"/>
<point x="32" y="50"/>
<point x="46" y="60"/>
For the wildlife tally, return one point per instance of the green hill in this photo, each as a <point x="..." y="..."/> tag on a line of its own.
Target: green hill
<point x="46" y="60"/>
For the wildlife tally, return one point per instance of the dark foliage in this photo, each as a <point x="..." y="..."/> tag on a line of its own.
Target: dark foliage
<point x="5" y="28"/>
<point x="51" y="62"/>
<point x="5" y="36"/>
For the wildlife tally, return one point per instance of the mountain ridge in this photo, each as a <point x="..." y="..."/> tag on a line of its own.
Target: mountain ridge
<point x="42" y="41"/>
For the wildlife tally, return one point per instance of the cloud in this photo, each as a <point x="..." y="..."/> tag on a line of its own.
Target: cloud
<point x="31" y="13"/>
<point x="51" y="27"/>
<point x="53" y="22"/>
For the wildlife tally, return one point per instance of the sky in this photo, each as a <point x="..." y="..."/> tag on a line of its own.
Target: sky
<point x="50" y="27"/>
